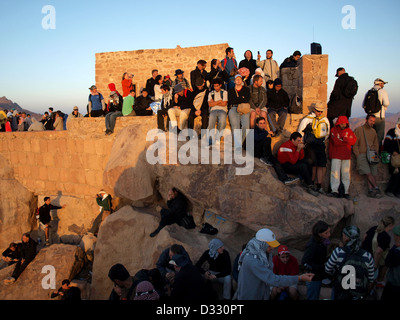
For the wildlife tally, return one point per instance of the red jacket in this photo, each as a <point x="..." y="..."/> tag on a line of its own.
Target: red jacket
<point x="341" y="140"/>
<point x="287" y="152"/>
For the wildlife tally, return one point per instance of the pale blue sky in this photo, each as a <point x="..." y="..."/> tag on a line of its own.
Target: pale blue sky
<point x="41" y="68"/>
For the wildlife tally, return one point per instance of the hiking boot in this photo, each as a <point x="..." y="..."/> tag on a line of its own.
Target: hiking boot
<point x="333" y="194"/>
<point x="9" y="280"/>
<point x="311" y="191"/>
<point x="320" y="190"/>
<point x="266" y="162"/>
<point x="290" y="180"/>
<point x="347" y="196"/>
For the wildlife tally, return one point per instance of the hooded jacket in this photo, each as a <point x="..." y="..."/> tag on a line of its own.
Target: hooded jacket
<point x="287" y="152"/>
<point x="250" y="64"/>
<point x="341" y="140"/>
<point x="338" y="104"/>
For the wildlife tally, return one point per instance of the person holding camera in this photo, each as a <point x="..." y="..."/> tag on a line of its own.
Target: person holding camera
<point x="104" y="201"/>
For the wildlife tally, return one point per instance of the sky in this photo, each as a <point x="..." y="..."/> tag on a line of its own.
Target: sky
<point x="47" y="48"/>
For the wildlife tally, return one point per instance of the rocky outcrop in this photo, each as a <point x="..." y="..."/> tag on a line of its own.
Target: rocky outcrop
<point x="61" y="260"/>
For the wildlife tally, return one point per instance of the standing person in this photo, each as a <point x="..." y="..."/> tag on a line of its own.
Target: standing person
<point x="353" y="255"/>
<point x="166" y="104"/>
<point x="219" y="263"/>
<point x="366" y="134"/>
<point x="45" y="217"/>
<point x="46" y="120"/>
<point x="239" y="94"/>
<point x="59" y="122"/>
<point x="256" y="269"/>
<point x="262" y="150"/>
<point x="175" y="211"/>
<point x="249" y="63"/>
<point x="28" y="253"/>
<point x="377" y="242"/>
<point x="285" y="265"/>
<point x="127" y="85"/>
<point x="218" y="104"/>
<point x="315" y="130"/>
<point x="383" y="98"/>
<point x="151" y="82"/>
<point x="269" y="66"/>
<point x="339" y="103"/>
<point x="96" y="104"/>
<point x="315" y="257"/>
<point x="104" y="201"/>
<point x="392" y="146"/>
<point x="341" y="139"/>
<point x="392" y="262"/>
<point x="278" y="104"/>
<point x="229" y="62"/>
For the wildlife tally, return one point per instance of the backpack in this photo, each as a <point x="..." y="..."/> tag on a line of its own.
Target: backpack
<point x="361" y="274"/>
<point x="315" y="131"/>
<point x="371" y="103"/>
<point x="295" y="106"/>
<point x="188" y="222"/>
<point x="208" y="229"/>
<point x="351" y="88"/>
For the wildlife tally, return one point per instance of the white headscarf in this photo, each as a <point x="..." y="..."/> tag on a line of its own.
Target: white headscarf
<point x="214" y="245"/>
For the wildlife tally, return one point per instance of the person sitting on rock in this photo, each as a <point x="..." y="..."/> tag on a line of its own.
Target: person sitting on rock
<point x="177" y="209"/>
<point x="258" y="100"/>
<point x="142" y="104"/>
<point x="28" y="253"/>
<point x="124" y="284"/>
<point x="12" y="254"/>
<point x="104" y="201"/>
<point x="219" y="264"/>
<point x="277" y="105"/>
<point x="291" y="157"/>
<point x="67" y="292"/>
<point x="262" y="150"/>
<point x="182" y="104"/>
<point x="167" y="270"/>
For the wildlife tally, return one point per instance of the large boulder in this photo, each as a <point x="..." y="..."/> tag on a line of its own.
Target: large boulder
<point x="35" y="282"/>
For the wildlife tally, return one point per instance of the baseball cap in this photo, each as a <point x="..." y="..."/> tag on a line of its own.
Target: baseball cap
<point x="267" y="236"/>
<point x="337" y="70"/>
<point x="92" y="87"/>
<point x="283" y="249"/>
<point x="379" y="80"/>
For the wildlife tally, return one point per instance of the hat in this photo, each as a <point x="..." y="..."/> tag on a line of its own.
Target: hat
<point x="396" y="231"/>
<point x="118" y="272"/>
<point x="283" y="249"/>
<point x="337" y="70"/>
<point x="92" y="87"/>
<point x="238" y="75"/>
<point x="178" y="88"/>
<point x="179" y="260"/>
<point x="76" y="108"/>
<point x="319" y="106"/>
<point x="267" y="236"/>
<point x="379" y="80"/>
<point x="178" y="71"/>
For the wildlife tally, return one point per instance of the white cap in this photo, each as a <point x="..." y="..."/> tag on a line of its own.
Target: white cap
<point x="267" y="236"/>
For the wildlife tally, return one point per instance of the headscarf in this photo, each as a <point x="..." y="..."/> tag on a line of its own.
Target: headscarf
<point x="353" y="233"/>
<point x="145" y="291"/>
<point x="257" y="248"/>
<point x="214" y="245"/>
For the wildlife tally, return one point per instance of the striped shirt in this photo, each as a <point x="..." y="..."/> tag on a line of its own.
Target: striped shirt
<point x="337" y="257"/>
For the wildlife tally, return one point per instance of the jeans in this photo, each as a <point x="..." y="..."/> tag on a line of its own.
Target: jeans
<point x="227" y="282"/>
<point x="340" y="171"/>
<point x="380" y="130"/>
<point x="313" y="290"/>
<point x="111" y="118"/>
<point x="219" y="115"/>
<point x="277" y="126"/>
<point x="238" y="121"/>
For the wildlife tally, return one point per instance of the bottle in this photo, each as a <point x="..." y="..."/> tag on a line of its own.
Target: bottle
<point x="39" y="240"/>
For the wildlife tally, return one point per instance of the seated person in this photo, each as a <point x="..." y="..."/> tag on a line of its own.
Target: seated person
<point x="219" y="264"/>
<point x="115" y="110"/>
<point x="258" y="100"/>
<point x="200" y="104"/>
<point x="262" y="150"/>
<point x="278" y="104"/>
<point x="292" y="61"/>
<point x="142" y="104"/>
<point x="167" y="271"/>
<point x="391" y="145"/>
<point x="12" y="254"/>
<point x="182" y="104"/>
<point x="67" y="292"/>
<point x="166" y="104"/>
<point x="285" y="264"/>
<point x="218" y="104"/>
<point x="291" y="157"/>
<point x="127" y="106"/>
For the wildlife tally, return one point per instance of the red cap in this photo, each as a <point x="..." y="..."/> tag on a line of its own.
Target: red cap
<point x="283" y="249"/>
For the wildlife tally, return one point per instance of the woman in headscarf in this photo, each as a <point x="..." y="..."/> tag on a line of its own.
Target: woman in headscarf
<point x="219" y="263"/>
<point x="145" y="291"/>
<point x="256" y="269"/>
<point x="340" y="258"/>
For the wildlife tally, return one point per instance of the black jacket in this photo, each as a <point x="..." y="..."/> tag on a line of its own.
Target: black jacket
<point x="150" y="86"/>
<point x="338" y="104"/>
<point x="315" y="256"/>
<point x="142" y="103"/>
<point x="234" y="99"/>
<point x="222" y="264"/>
<point x="249" y="64"/>
<point x="289" y="62"/>
<point x="217" y="73"/>
<point x="277" y="99"/>
<point x="44" y="213"/>
<point x="196" y="73"/>
<point x="28" y="250"/>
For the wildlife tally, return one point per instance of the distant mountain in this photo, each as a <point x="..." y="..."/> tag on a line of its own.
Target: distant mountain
<point x="390" y="119"/>
<point x="8" y="104"/>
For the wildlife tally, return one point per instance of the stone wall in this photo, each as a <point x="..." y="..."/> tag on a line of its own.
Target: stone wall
<point x="110" y="66"/>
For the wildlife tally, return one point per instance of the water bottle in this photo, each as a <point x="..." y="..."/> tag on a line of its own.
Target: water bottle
<point x="39" y="240"/>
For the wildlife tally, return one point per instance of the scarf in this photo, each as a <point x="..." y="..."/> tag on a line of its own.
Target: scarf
<point x="353" y="233"/>
<point x="258" y="249"/>
<point x="214" y="245"/>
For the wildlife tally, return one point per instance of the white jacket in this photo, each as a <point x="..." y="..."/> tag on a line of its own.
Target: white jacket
<point x="384" y="99"/>
<point x="308" y="119"/>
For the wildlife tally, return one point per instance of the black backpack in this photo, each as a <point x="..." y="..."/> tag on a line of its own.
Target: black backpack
<point x="371" y="103"/>
<point x="361" y="273"/>
<point x="296" y="106"/>
<point x="351" y="88"/>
